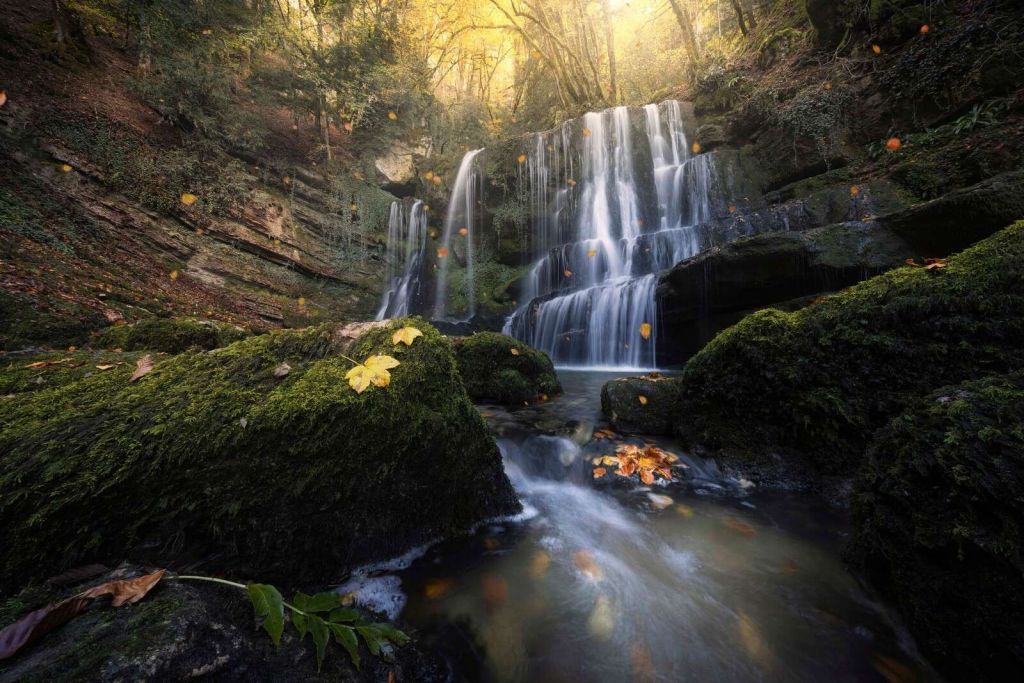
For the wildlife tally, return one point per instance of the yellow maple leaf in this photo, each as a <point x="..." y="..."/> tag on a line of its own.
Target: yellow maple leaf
<point x="374" y="370"/>
<point x="188" y="199"/>
<point x="66" y="168"/>
<point x="522" y="158"/>
<point x="406" y="335"/>
<point x="393" y="116"/>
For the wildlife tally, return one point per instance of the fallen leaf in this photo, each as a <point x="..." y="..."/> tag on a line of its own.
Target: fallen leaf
<point x="374" y="370"/>
<point x="567" y="273"/>
<point x="282" y="370"/>
<point x="584" y="560"/>
<point x="645" y="330"/>
<point x="592" y="253"/>
<point x="571" y="182"/>
<point x="174" y="275"/>
<point x="104" y="367"/>
<point x="514" y="351"/>
<point x="3" y="97"/>
<point x="659" y="501"/>
<point x="442" y="252"/>
<point x="893" y="144"/>
<point x="126" y="591"/>
<point x="522" y="159"/>
<point x="925" y="29"/>
<point x="463" y="231"/>
<point x="35" y="625"/>
<point x="188" y="199"/>
<point x="877" y="49"/>
<point x="438" y="588"/>
<point x="587" y="133"/>
<point x="751" y="636"/>
<point x="684" y="510"/>
<point x="599" y="472"/>
<point x="601" y="623"/>
<point x="142" y="367"/>
<point x="642" y="399"/>
<point x="695" y="148"/>
<point x="406" y="335"/>
<point x="392" y="116"/>
<point x="643" y="666"/>
<point x="66" y="168"/>
<point x="854" y="191"/>
<point x="437" y="180"/>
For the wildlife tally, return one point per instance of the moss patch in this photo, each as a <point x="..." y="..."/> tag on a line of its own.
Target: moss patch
<point x="23" y="373"/>
<point x="820" y="380"/>
<point x="939" y="514"/>
<point x="646" y="405"/>
<point x="496" y="367"/>
<point x="170" y="335"/>
<point x="294" y="476"/>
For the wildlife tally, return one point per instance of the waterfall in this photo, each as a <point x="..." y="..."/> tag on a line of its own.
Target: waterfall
<point x="591" y="288"/>
<point x="407" y="238"/>
<point x="460" y="222"/>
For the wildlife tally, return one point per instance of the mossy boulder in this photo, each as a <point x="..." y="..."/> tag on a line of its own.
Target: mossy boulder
<point x="258" y="456"/>
<point x="496" y="367"/>
<point x="183" y="631"/>
<point x="642" y="405"/>
<point x="939" y="524"/>
<point x="20" y="373"/>
<point x="818" y="382"/>
<point x="25" y="323"/>
<point x="170" y="335"/>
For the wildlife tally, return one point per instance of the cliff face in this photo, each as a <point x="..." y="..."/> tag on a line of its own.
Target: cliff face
<point x="109" y="213"/>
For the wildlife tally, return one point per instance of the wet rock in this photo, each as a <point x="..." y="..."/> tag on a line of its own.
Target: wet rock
<point x="643" y="405"/>
<point x="183" y="631"/>
<point x="816" y="383"/>
<point x="210" y="454"/>
<point x="496" y="367"/>
<point x="938" y="513"/>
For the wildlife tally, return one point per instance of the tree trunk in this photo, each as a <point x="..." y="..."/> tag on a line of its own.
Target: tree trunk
<point x="609" y="39"/>
<point x="739" y="17"/>
<point x="751" y="15"/>
<point x="683" y="17"/>
<point x="67" y="29"/>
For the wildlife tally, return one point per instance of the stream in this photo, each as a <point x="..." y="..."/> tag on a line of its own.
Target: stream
<point x="700" y="579"/>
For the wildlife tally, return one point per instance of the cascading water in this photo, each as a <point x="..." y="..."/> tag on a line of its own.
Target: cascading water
<point x="460" y="222"/>
<point x="407" y="239"/>
<point x="598" y="239"/>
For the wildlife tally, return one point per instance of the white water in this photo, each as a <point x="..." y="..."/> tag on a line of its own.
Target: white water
<point x="593" y="282"/>
<point x="463" y="213"/>
<point x="407" y="238"/>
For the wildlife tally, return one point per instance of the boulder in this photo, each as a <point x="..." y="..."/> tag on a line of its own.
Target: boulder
<point x="641" y="405"/>
<point x="170" y="335"/>
<point x="496" y="367"/>
<point x="183" y="631"/>
<point x="257" y="457"/>
<point x="817" y="382"/>
<point x="939" y="522"/>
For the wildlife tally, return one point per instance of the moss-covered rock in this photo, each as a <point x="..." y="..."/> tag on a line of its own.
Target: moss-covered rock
<point x="939" y="517"/>
<point x="182" y="631"/>
<point x="24" y="323"/>
<point x="170" y="335"/>
<point x="496" y="367"/>
<point x="20" y="373"/>
<point x="279" y="471"/>
<point x="644" y="405"/>
<point x="820" y="380"/>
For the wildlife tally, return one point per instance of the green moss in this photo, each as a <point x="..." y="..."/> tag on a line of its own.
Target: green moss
<point x="170" y="335"/>
<point x="939" y="523"/>
<point x="210" y="452"/>
<point x="24" y="324"/>
<point x="495" y="367"/>
<point x="622" y="405"/>
<point x="17" y="374"/>
<point x="820" y="380"/>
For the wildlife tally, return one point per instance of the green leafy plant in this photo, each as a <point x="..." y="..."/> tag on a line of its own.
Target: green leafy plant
<point x="321" y="616"/>
<point x="980" y="116"/>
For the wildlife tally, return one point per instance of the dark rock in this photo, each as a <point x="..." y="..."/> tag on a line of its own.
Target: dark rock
<point x="938" y="514"/>
<point x="652" y="414"/>
<point x="819" y="381"/>
<point x="212" y="456"/>
<point x="183" y="631"/>
<point x="495" y="367"/>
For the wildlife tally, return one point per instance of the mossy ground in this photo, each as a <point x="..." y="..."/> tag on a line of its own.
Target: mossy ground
<point x="170" y="335"/>
<point x="211" y="454"/>
<point x="22" y="373"/>
<point x="819" y="381"/>
<point x="939" y="514"/>
<point x="496" y="367"/>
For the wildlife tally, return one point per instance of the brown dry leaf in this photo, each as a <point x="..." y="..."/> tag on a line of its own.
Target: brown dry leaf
<point x="567" y="273"/>
<point x="35" y="625"/>
<point x="751" y="636"/>
<point x="105" y="366"/>
<point x="39" y="364"/>
<point x="142" y="367"/>
<point x="126" y="591"/>
<point x="392" y="116"/>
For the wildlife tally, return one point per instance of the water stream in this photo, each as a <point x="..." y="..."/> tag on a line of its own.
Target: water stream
<point x="700" y="579"/>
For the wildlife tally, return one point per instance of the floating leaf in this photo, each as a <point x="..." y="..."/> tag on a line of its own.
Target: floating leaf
<point x="567" y="273"/>
<point x="751" y="636"/>
<point x="539" y="564"/>
<point x="269" y="606"/>
<point x="684" y="510"/>
<point x="188" y="199"/>
<point x="893" y="144"/>
<point x="599" y="472"/>
<point x="438" y="588"/>
<point x="571" y="182"/>
<point x="406" y="335"/>
<point x="142" y="367"/>
<point x="645" y="330"/>
<point x="659" y="501"/>
<point x="495" y="590"/>
<point x="442" y="252"/>
<point x="601" y="623"/>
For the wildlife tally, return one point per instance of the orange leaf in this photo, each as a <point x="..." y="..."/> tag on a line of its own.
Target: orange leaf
<point x="522" y="159"/>
<point x="584" y="560"/>
<point x="893" y="144"/>
<point x="3" y="97"/>
<point x="854" y="191"/>
<point x="126" y="591"/>
<point x="66" y="168"/>
<point x="695" y="148"/>
<point x="925" y="29"/>
<point x="647" y="477"/>
<point x="587" y="133"/>
<point x="567" y="273"/>
<point x="442" y="252"/>
<point x="642" y="399"/>
<point x="188" y="199"/>
<point x="599" y="472"/>
<point x="876" y="49"/>
<point x="645" y="330"/>
<point x="174" y="275"/>
<point x="463" y="231"/>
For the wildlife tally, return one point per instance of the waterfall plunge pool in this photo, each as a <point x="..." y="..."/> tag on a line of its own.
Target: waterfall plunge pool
<point x="700" y="579"/>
